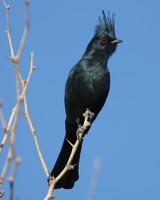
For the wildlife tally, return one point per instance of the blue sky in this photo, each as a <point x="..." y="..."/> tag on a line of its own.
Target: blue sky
<point x="126" y="134"/>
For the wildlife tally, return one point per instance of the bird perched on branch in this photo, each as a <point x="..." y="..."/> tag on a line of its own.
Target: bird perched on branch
<point x="87" y="86"/>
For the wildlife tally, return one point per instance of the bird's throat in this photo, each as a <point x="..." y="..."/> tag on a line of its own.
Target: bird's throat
<point x="98" y="56"/>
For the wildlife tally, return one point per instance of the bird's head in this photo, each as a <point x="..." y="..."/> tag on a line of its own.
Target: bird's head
<point x="105" y="38"/>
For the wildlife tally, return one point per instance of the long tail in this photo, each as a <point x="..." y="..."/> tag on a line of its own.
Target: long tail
<point x="68" y="180"/>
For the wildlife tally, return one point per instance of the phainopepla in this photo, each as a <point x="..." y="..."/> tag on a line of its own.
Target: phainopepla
<point x="87" y="86"/>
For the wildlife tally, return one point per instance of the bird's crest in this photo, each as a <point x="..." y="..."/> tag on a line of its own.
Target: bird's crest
<point x="106" y="25"/>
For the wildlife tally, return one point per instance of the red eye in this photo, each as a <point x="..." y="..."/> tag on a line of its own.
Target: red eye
<point x="104" y="40"/>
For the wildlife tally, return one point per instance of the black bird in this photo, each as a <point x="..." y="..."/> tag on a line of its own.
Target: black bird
<point x="87" y="86"/>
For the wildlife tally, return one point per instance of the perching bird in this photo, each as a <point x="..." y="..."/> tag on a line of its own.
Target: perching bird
<point x="87" y="86"/>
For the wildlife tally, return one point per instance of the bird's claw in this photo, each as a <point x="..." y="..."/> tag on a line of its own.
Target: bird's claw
<point x="79" y="133"/>
<point x="78" y="122"/>
<point x="88" y="115"/>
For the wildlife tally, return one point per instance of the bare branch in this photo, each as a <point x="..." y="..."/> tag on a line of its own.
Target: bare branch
<point x="25" y="33"/>
<point x="88" y="115"/>
<point x="5" y="4"/>
<point x="12" y="177"/>
<point x="4" y="128"/>
<point x="34" y="134"/>
<point x="10" y="127"/>
<point x="27" y="115"/>
<point x="7" y="127"/>
<point x="5" y="167"/>
<point x="7" y="9"/>
<point x="26" y="82"/>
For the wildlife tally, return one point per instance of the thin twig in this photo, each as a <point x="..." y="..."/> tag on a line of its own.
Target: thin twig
<point x="34" y="134"/>
<point x="88" y="115"/>
<point x="27" y="115"/>
<point x="6" y="165"/>
<point x="11" y="186"/>
<point x="13" y="123"/>
<point x="4" y="139"/>
<point x="10" y="128"/>
<point x="7" y="9"/>
<point x="4" y="128"/>
<point x="26" y="82"/>
<point x="12" y="177"/>
<point x="5" y="4"/>
<point x="11" y="153"/>
<point x="25" y="33"/>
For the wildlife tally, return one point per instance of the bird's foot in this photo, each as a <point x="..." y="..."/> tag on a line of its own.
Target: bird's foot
<point x="82" y="129"/>
<point x="77" y="122"/>
<point x="79" y="133"/>
<point x="88" y="116"/>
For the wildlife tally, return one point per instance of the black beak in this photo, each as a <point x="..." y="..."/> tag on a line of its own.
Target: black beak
<point x="116" y="41"/>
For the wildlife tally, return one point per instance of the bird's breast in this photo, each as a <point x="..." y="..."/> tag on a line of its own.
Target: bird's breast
<point x="87" y="87"/>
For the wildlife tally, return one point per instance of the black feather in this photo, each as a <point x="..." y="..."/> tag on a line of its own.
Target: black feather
<point x="106" y="25"/>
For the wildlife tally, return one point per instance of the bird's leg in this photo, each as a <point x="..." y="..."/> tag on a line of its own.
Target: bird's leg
<point x="88" y="116"/>
<point x="79" y="133"/>
<point x="78" y="127"/>
<point x="77" y="122"/>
